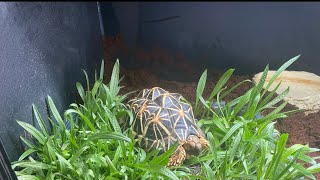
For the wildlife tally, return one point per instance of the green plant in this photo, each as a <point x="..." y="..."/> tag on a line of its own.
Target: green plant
<point x="98" y="145"/>
<point x="95" y="146"/>
<point x="244" y="147"/>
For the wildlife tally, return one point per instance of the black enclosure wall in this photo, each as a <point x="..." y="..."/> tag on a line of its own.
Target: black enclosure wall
<point x="43" y="47"/>
<point x="241" y="35"/>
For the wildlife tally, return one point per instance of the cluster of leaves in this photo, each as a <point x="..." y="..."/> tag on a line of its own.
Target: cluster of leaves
<point x="247" y="147"/>
<point x="96" y="146"/>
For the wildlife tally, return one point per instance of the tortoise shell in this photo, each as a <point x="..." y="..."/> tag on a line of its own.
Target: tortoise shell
<point x="161" y="119"/>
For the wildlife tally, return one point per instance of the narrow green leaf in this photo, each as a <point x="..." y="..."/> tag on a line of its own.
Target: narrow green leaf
<point x="262" y="79"/>
<point x="110" y="178"/>
<point x="33" y="131"/>
<point x="212" y="148"/>
<point x="275" y="100"/>
<point x="242" y="101"/>
<point x="96" y="87"/>
<point x="28" y="177"/>
<point x="234" y="87"/>
<point x="253" y="104"/>
<point x="50" y="149"/>
<point x="291" y="151"/>
<point x="222" y="81"/>
<point x="288" y="166"/>
<point x="108" y="135"/>
<point x="80" y="91"/>
<point x="63" y="163"/>
<point x="95" y="75"/>
<point x="302" y="171"/>
<point x="210" y="173"/>
<point x="118" y="154"/>
<point x="307" y="159"/>
<point x="34" y="165"/>
<point x="83" y="117"/>
<point x="114" y="81"/>
<point x="206" y="105"/>
<point x="277" y="156"/>
<point x="102" y="70"/>
<point x="28" y="143"/>
<point x="78" y="154"/>
<point x="112" y="119"/>
<point x="26" y="154"/>
<point x="157" y="169"/>
<point x="219" y="123"/>
<point x="279" y="71"/>
<point x="235" y="145"/>
<point x="40" y="121"/>
<point x="87" y="79"/>
<point x="200" y="87"/>
<point x="111" y="165"/>
<point x="265" y="100"/>
<point x="271" y="118"/>
<point x="230" y="132"/>
<point x="163" y="159"/>
<point x="56" y="114"/>
<point x="314" y="168"/>
<point x="279" y="108"/>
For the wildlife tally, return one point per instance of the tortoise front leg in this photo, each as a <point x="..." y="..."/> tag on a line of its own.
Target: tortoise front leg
<point x="177" y="157"/>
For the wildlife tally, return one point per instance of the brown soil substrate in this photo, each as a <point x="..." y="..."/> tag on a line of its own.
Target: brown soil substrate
<point x="302" y="129"/>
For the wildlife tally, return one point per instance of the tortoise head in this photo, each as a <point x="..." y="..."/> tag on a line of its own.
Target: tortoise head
<point x="195" y="144"/>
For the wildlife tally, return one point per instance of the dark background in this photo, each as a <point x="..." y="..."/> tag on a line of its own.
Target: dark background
<point x="222" y="35"/>
<point x="43" y="47"/>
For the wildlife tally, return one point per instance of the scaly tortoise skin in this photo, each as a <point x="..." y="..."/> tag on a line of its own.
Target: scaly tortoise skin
<point x="161" y="119"/>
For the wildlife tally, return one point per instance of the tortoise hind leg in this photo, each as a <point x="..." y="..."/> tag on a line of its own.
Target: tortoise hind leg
<point x="177" y="157"/>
